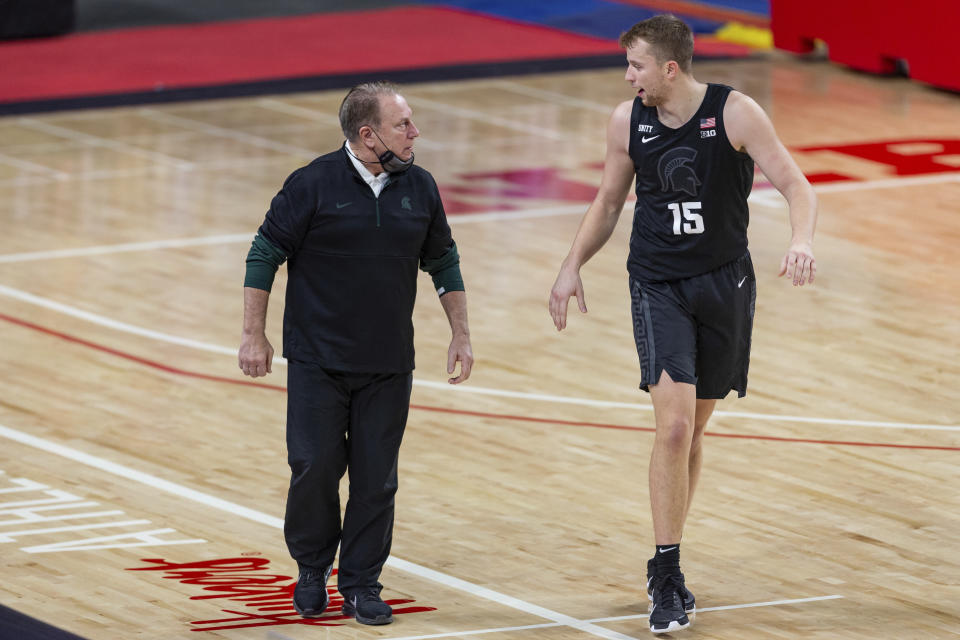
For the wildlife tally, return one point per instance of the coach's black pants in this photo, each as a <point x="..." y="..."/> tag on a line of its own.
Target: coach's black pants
<point x="337" y="421"/>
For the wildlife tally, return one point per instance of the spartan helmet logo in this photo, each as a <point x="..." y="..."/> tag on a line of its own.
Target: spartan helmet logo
<point x="676" y="172"/>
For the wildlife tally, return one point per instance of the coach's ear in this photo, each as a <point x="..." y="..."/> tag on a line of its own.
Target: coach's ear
<point x="365" y="133"/>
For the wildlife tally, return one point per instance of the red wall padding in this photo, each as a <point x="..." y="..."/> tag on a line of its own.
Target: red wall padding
<point x="872" y="35"/>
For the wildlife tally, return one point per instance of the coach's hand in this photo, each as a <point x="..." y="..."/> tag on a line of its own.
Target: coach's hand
<point x="799" y="264"/>
<point x="568" y="284"/>
<point x="460" y="351"/>
<point x="256" y="355"/>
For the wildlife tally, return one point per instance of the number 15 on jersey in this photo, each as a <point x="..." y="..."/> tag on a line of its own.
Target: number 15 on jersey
<point x="685" y="220"/>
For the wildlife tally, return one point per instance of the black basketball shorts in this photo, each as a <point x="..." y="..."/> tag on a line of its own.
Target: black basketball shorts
<point x="697" y="329"/>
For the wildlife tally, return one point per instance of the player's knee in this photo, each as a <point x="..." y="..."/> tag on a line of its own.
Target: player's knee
<point x="676" y="432"/>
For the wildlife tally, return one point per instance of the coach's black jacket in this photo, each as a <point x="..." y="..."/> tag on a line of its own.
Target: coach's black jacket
<point x="352" y="262"/>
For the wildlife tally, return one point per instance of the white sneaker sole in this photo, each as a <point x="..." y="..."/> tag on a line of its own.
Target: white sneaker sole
<point x="674" y="626"/>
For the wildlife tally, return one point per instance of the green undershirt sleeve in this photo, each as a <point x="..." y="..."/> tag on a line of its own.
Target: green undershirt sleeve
<point x="445" y="271"/>
<point x="263" y="260"/>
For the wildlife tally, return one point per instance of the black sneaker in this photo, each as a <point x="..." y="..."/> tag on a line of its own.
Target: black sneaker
<point x="366" y="606"/>
<point x="689" y="602"/>
<point x="310" y="597"/>
<point x="667" y="613"/>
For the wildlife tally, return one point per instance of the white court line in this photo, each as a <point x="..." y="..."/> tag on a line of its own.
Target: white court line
<point x="767" y="196"/>
<point x="507" y="123"/>
<point x="79" y="136"/>
<point x="48" y="172"/>
<point x="307" y="113"/>
<point x="553" y="97"/>
<point x="889" y="183"/>
<point x="176" y="243"/>
<point x="232" y="134"/>
<point x="477" y="632"/>
<point x="771" y="603"/>
<point x="648" y="407"/>
<point x="504" y="393"/>
<point x="28" y="180"/>
<point x="12" y="536"/>
<point x="106" y="174"/>
<point x="509" y="601"/>
<point x="770" y="197"/>
<point x="526" y="214"/>
<point x="257" y="516"/>
<point x="113" y="324"/>
<point x="138" y="476"/>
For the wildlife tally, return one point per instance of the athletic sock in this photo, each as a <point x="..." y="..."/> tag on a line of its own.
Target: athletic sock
<point x="667" y="559"/>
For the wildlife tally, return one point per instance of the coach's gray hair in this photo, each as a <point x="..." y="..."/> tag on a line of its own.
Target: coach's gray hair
<point x="361" y="106"/>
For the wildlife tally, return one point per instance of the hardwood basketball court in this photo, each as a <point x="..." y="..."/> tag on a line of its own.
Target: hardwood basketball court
<point x="144" y="478"/>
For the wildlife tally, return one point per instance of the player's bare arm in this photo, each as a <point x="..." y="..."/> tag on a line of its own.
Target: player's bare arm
<point x="601" y="217"/>
<point x="749" y="129"/>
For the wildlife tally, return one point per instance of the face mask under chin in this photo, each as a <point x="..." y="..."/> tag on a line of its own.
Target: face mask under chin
<point x="392" y="163"/>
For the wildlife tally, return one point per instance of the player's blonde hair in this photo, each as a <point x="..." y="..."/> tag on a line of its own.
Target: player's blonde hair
<point x="668" y="36"/>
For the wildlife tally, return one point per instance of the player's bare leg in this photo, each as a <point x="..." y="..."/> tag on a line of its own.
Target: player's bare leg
<point x="674" y="405"/>
<point x="675" y="410"/>
<point x="704" y="411"/>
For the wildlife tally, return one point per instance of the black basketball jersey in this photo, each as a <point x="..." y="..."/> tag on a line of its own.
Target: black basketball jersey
<point x="691" y="214"/>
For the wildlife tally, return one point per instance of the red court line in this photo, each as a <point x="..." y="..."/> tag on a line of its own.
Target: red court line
<point x="133" y="358"/>
<point x="600" y="425"/>
<point x="462" y="412"/>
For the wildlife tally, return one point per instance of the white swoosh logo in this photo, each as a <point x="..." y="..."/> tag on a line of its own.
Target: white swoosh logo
<point x="665" y="550"/>
<point x="645" y="139"/>
<point x="740" y="284"/>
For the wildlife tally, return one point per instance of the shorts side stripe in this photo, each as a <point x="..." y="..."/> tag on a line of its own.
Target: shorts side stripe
<point x="648" y="325"/>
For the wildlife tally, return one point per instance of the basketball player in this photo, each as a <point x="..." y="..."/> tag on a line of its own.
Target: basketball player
<point x="692" y="147"/>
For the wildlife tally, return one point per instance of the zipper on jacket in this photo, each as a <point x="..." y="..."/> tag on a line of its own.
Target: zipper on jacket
<point x="376" y="199"/>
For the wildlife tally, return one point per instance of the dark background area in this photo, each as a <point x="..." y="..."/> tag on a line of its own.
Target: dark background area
<point x="97" y="15"/>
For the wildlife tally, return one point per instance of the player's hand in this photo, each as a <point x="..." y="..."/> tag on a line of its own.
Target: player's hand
<point x="459" y="351"/>
<point x="256" y="355"/>
<point x="799" y="264"/>
<point x="568" y="284"/>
